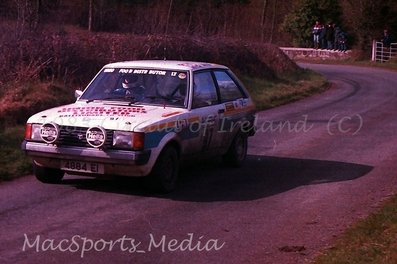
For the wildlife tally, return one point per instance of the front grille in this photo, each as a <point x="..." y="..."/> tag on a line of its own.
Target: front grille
<point x="76" y="136"/>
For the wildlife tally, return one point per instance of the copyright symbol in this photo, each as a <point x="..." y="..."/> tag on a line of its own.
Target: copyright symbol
<point x="345" y="125"/>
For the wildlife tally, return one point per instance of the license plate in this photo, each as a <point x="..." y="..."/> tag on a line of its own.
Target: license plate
<point x="80" y="166"/>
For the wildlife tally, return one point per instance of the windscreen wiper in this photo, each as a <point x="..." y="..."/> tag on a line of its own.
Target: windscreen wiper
<point x="105" y="99"/>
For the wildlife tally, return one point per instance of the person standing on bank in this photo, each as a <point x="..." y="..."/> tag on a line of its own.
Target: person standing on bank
<point x="322" y="37"/>
<point x="387" y="38"/>
<point x="330" y="36"/>
<point x="316" y="34"/>
<point x="337" y="31"/>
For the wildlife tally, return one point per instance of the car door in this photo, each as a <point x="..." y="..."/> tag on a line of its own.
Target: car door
<point x="234" y="102"/>
<point x="206" y="109"/>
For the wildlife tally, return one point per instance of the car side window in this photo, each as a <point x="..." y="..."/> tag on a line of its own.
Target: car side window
<point x="204" y="90"/>
<point x="228" y="89"/>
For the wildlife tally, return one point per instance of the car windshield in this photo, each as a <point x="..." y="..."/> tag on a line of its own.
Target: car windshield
<point x="139" y="86"/>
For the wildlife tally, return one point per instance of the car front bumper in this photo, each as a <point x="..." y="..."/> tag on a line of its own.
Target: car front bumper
<point x="117" y="162"/>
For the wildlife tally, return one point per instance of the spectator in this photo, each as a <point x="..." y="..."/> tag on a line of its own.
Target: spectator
<point x="342" y="38"/>
<point x="330" y="36"/>
<point x="337" y="31"/>
<point x="387" y="38"/>
<point x="323" y="41"/>
<point x="316" y="34"/>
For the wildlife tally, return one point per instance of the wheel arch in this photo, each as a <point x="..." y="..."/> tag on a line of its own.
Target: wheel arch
<point x="171" y="139"/>
<point x="175" y="144"/>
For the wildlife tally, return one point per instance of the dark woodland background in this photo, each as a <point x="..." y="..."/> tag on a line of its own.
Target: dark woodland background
<point x="269" y="21"/>
<point x="48" y="48"/>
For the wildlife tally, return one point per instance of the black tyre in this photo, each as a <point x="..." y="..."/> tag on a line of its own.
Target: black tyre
<point x="48" y="175"/>
<point x="237" y="152"/>
<point x="165" y="172"/>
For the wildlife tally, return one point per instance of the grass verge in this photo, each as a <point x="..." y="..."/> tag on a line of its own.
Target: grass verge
<point x="372" y="240"/>
<point x="13" y="163"/>
<point x="388" y="65"/>
<point x="267" y="94"/>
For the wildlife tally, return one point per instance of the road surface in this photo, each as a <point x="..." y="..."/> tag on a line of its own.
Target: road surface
<point x="314" y="167"/>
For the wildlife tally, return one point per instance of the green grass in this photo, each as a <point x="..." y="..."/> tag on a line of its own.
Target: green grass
<point x="372" y="240"/>
<point x="13" y="163"/>
<point x="390" y="65"/>
<point x="288" y="89"/>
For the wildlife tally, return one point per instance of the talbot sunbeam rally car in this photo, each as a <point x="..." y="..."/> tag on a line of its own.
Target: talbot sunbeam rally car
<point x="142" y="118"/>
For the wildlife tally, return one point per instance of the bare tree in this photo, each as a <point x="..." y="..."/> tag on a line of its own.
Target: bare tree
<point x="263" y="20"/>
<point x="27" y="15"/>
<point x="274" y="12"/>
<point x="168" y="17"/>
<point x="90" y="14"/>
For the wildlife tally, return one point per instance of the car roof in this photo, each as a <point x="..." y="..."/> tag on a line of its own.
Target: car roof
<point x="166" y="65"/>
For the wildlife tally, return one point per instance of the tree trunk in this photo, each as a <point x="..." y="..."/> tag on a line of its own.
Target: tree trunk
<point x="38" y="10"/>
<point x="168" y="17"/>
<point x="263" y="20"/>
<point x="90" y="15"/>
<point x="273" y="21"/>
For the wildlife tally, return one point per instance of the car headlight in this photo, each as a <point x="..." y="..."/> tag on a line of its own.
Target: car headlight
<point x="49" y="132"/>
<point x="128" y="140"/>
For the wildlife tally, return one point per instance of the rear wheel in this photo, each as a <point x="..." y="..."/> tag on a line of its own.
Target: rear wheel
<point x="47" y="175"/>
<point x="165" y="172"/>
<point x="237" y="152"/>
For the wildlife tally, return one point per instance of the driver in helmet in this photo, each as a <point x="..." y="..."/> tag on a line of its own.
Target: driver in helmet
<point x="131" y="87"/>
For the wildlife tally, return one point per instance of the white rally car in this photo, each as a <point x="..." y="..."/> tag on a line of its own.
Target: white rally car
<point x="142" y="118"/>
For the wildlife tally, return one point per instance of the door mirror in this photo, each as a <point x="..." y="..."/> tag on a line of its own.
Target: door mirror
<point x="78" y="93"/>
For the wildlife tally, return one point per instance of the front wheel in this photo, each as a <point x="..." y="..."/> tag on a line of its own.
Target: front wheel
<point x="47" y="175"/>
<point x="165" y="172"/>
<point x="237" y="152"/>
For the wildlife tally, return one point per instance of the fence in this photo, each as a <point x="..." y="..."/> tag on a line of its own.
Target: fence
<point x="381" y="53"/>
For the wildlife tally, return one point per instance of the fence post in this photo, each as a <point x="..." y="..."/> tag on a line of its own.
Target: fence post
<point x="373" y="50"/>
<point x="382" y="49"/>
<point x="393" y="50"/>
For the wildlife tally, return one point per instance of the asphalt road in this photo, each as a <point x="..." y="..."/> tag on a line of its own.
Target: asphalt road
<point x="315" y="167"/>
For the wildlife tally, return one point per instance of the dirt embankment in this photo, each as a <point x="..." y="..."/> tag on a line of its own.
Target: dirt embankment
<point x="42" y="69"/>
